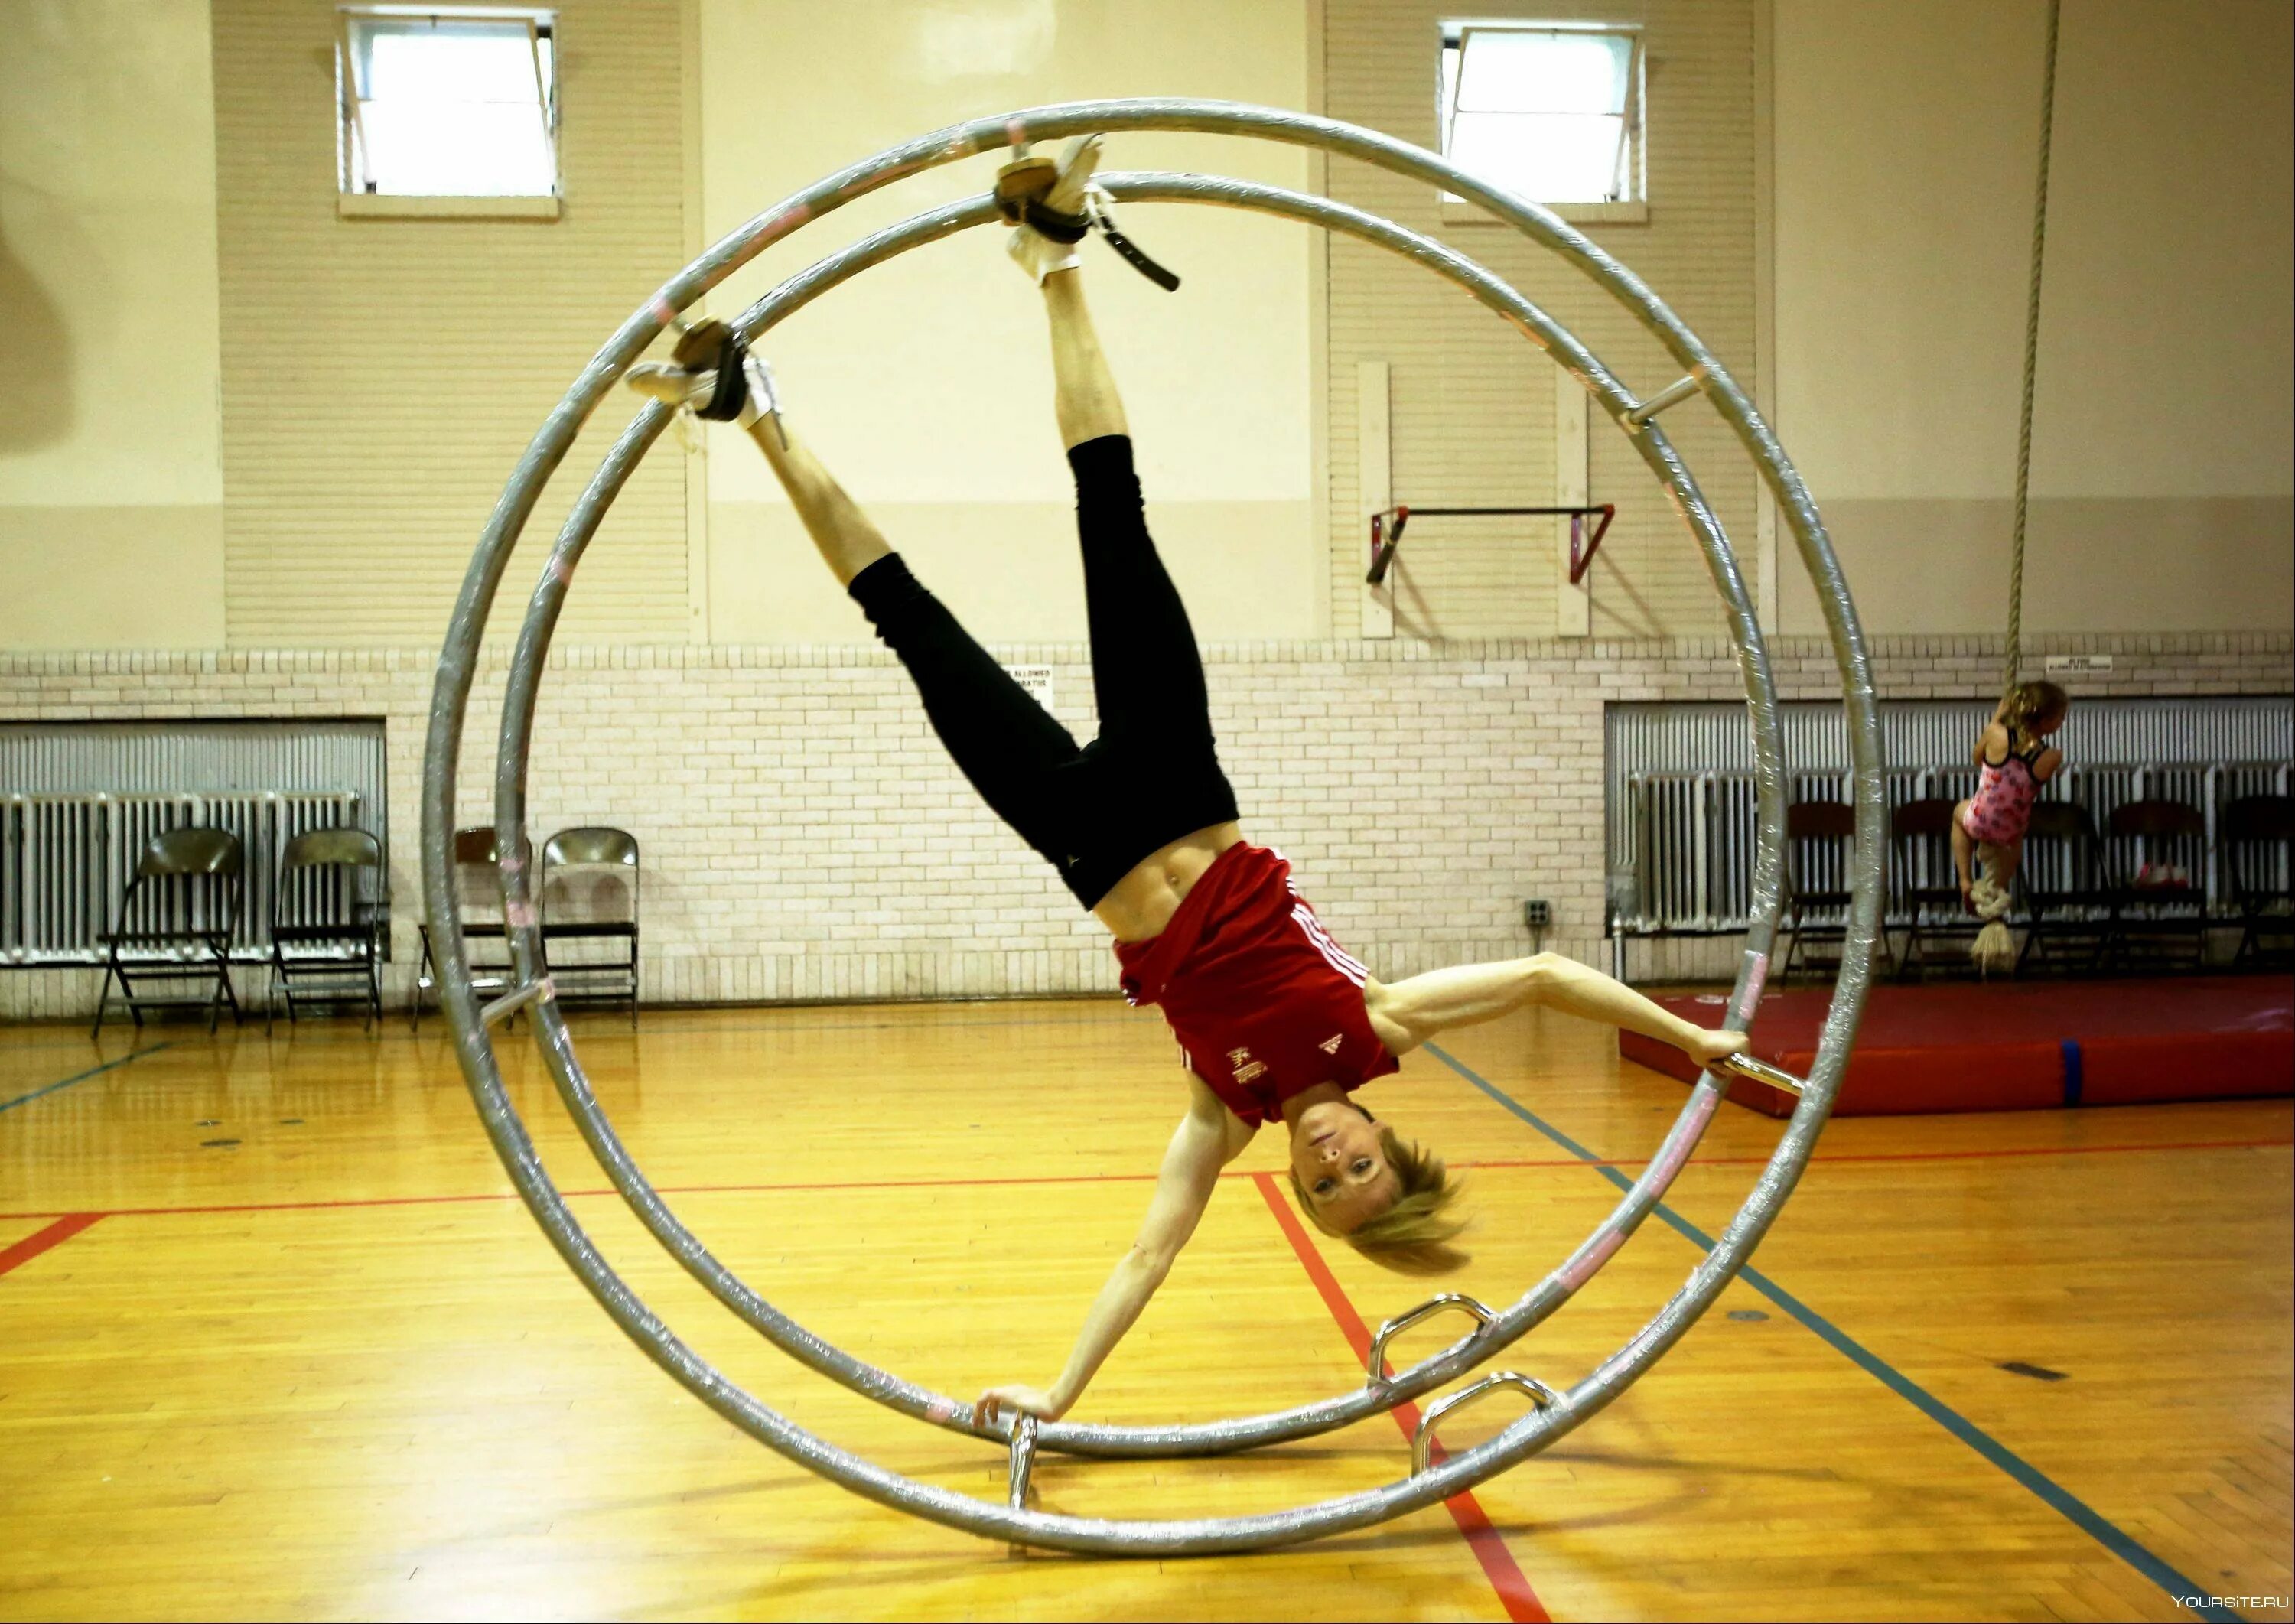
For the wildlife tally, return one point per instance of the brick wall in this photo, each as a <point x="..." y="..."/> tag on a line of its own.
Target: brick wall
<point x="806" y="837"/>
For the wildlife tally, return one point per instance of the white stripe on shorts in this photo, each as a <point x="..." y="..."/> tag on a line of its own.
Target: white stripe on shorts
<point x="1334" y="955"/>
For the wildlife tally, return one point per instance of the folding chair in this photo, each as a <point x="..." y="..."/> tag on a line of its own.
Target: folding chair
<point x="2159" y="852"/>
<point x="2257" y="844"/>
<point x="590" y="916"/>
<point x="478" y="906"/>
<point x="1927" y="887"/>
<point x="2068" y="901"/>
<point x="336" y="951"/>
<point x="1817" y="854"/>
<point x="192" y="880"/>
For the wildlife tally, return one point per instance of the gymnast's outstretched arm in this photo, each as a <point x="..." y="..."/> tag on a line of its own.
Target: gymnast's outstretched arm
<point x="1207" y="1139"/>
<point x="1407" y="1013"/>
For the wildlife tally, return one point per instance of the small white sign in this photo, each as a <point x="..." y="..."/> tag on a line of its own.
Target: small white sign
<point x="1038" y="681"/>
<point x="2078" y="665"/>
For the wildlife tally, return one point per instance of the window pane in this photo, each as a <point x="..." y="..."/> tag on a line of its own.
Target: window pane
<point x="452" y="108"/>
<point x="447" y="149"/>
<point x="1548" y="157"/>
<point x="1517" y="71"/>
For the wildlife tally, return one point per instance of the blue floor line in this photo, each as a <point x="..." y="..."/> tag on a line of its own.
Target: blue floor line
<point x="109" y="1066"/>
<point x="2051" y="1493"/>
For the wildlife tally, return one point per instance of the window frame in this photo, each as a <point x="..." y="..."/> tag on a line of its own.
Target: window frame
<point x="1634" y="147"/>
<point x="355" y="200"/>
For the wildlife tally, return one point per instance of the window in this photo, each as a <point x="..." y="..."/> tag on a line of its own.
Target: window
<point x="454" y="103"/>
<point x="1551" y="111"/>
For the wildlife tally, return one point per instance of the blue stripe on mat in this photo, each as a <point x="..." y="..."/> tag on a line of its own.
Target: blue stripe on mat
<point x="96" y="1071"/>
<point x="2059" y="1498"/>
<point x="2074" y="1070"/>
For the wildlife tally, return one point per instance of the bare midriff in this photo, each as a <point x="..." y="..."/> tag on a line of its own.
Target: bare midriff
<point x="1144" y="900"/>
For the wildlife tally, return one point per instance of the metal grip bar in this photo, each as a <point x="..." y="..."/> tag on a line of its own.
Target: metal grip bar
<point x="1680" y="389"/>
<point x="1448" y="1303"/>
<point x="1761" y="1071"/>
<point x="510" y="1003"/>
<point x="1422" y="1441"/>
<point x="1024" y="1461"/>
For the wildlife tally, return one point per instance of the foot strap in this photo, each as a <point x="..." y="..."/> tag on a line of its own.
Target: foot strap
<point x="712" y="344"/>
<point x="1055" y="227"/>
<point x="1133" y="254"/>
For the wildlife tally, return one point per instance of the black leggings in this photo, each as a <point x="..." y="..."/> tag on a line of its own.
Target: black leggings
<point x="1153" y="774"/>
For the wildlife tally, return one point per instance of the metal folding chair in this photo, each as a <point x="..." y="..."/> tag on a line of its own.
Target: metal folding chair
<point x="2068" y="901"/>
<point x="478" y="904"/>
<point x="2256" y="837"/>
<point x="336" y="949"/>
<point x="2157" y="850"/>
<point x="1927" y="888"/>
<point x="590" y="916"/>
<point x="186" y="893"/>
<point x="1817" y="837"/>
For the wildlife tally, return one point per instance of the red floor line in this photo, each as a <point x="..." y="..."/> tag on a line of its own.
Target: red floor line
<point x="1497" y="1563"/>
<point x="43" y="1240"/>
<point x="1046" y="1178"/>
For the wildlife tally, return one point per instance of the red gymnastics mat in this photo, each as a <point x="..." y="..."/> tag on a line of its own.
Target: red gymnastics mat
<point x="2020" y="1045"/>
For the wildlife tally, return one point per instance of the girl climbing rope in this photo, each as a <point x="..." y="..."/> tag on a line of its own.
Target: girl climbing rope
<point x="2016" y="760"/>
<point x="1275" y="1022"/>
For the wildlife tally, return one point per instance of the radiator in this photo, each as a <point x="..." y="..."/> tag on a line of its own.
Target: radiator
<point x="66" y="862"/>
<point x="1680" y="791"/>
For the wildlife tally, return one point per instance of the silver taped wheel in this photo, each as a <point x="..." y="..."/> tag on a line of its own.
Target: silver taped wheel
<point x="1533" y="1432"/>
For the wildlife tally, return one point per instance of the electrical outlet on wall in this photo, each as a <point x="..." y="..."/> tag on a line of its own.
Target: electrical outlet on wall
<point x="1537" y="914"/>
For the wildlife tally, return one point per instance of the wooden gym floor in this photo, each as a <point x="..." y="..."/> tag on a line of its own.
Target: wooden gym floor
<point x="275" y="1341"/>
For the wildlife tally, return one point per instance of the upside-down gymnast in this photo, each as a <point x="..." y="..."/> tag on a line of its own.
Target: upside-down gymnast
<point x="1275" y="1022"/>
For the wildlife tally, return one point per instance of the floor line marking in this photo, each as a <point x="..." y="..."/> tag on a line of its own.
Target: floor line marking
<point x="109" y="1066"/>
<point x="1847" y="1158"/>
<point x="2050" y="1492"/>
<point x="1489" y="1547"/>
<point x="43" y="1240"/>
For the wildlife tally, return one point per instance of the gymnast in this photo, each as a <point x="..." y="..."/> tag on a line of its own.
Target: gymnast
<point x="2015" y="759"/>
<point x="1275" y="1022"/>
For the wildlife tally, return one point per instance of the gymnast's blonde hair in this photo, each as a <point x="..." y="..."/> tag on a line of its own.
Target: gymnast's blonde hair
<point x="2029" y="705"/>
<point x="1413" y="1237"/>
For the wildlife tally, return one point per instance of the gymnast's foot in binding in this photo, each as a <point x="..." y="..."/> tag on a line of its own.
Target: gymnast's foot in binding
<point x="1054" y="204"/>
<point x="1276" y="1024"/>
<point x="714" y="376"/>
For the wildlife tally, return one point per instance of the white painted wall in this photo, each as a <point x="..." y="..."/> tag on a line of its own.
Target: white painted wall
<point x="110" y="462"/>
<point x="1905" y="152"/>
<point x="927" y="383"/>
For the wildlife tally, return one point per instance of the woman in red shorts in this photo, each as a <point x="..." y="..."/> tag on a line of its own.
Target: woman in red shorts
<point x="1275" y="1022"/>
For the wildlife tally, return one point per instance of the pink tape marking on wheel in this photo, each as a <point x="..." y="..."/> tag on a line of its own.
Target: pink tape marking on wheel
<point x="1577" y="1274"/>
<point x="1702" y="1110"/>
<point x="1755" y="979"/>
<point x="781" y="223"/>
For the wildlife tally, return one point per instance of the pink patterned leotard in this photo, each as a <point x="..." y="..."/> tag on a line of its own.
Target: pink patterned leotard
<point x="2003" y="802"/>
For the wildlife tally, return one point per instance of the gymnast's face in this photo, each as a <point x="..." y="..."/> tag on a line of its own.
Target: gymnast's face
<point x="1341" y="1162"/>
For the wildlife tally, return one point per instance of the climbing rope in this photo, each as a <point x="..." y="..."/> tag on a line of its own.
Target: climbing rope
<point x="2031" y="361"/>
